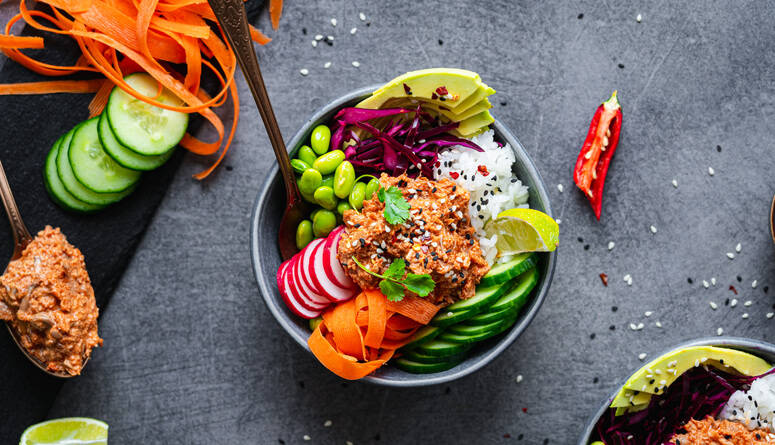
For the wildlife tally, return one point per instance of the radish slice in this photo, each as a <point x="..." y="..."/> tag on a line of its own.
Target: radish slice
<point x="331" y="262"/>
<point x="323" y="281"/>
<point x="305" y="297"/>
<point x="288" y="291"/>
<point x="305" y="261"/>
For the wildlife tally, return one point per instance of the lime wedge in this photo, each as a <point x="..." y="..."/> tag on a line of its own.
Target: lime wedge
<point x="523" y="230"/>
<point x="67" y="431"/>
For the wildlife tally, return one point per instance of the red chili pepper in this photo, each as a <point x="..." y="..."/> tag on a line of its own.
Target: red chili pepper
<point x="599" y="147"/>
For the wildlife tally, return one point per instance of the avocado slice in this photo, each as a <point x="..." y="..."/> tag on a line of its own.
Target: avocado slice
<point x="474" y="125"/>
<point x="660" y="373"/>
<point x="481" y="94"/>
<point x="427" y="84"/>
<point x="482" y="105"/>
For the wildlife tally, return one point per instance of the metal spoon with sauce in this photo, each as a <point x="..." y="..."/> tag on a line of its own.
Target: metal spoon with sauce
<point x="234" y="21"/>
<point x="21" y="237"/>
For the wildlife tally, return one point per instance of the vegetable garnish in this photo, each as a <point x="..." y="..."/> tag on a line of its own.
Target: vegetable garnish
<point x="396" y="206"/>
<point x="358" y="336"/>
<point x="394" y="283"/>
<point x="597" y="152"/>
<point x="117" y="38"/>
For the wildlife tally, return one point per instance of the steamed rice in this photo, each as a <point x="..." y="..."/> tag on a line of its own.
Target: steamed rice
<point x="499" y="190"/>
<point x="755" y="407"/>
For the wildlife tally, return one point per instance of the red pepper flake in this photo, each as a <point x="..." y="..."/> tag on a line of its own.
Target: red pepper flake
<point x="454" y="175"/>
<point x="507" y="436"/>
<point x="434" y="96"/>
<point x="483" y="170"/>
<point x="442" y="91"/>
<point x="438" y="164"/>
<point x="407" y="90"/>
<point x="524" y="410"/>
<point x="732" y="288"/>
<point x="604" y="279"/>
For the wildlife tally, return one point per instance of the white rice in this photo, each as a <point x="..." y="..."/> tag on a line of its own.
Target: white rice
<point x="499" y="190"/>
<point x="754" y="407"/>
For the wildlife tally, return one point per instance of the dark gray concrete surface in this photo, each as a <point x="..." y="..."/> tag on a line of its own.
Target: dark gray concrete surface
<point x="192" y="356"/>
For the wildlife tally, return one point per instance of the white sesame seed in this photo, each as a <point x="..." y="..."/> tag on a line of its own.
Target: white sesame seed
<point x="327" y="65"/>
<point x="770" y="314"/>
<point x="319" y="37"/>
<point x="349" y="442"/>
<point x="653" y="229"/>
<point x="560" y="188"/>
<point x="356" y="64"/>
<point x="362" y="16"/>
<point x="327" y="423"/>
<point x="719" y="331"/>
<point x="748" y="303"/>
<point x="730" y="255"/>
<point x="663" y="382"/>
<point x="640" y="326"/>
<point x="713" y="281"/>
<point x="307" y="438"/>
<point x="738" y="247"/>
<point x="642" y="356"/>
<point x="733" y="303"/>
<point x="672" y="364"/>
<point x="705" y="284"/>
<point x="333" y="22"/>
<point x="638" y="18"/>
<point x="559" y="221"/>
<point x="519" y="378"/>
<point x="696" y="363"/>
<point x="330" y="38"/>
<point x="711" y="171"/>
<point x="658" y="324"/>
<point x="648" y="313"/>
<point x="713" y="306"/>
<point x="304" y="71"/>
<point x="633" y="326"/>
<point x="627" y="278"/>
<point x="745" y="316"/>
<point x="353" y="30"/>
<point x="314" y="43"/>
<point x="754" y="283"/>
<point x="611" y="245"/>
<point x="675" y="183"/>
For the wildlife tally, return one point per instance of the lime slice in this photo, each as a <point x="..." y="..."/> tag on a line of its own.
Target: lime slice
<point x="67" y="431"/>
<point x="523" y="230"/>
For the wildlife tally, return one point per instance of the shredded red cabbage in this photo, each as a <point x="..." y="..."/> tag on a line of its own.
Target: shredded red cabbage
<point x="394" y="140"/>
<point x="696" y="394"/>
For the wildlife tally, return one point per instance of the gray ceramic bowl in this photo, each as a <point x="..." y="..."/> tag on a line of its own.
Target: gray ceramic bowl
<point x="265" y="254"/>
<point x="757" y="347"/>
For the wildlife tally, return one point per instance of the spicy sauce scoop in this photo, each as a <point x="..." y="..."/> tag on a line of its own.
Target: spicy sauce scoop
<point x="47" y="299"/>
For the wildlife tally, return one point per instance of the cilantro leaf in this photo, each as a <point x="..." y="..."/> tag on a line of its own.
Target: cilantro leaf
<point x="422" y="285"/>
<point x="392" y="290"/>
<point x="396" y="269"/>
<point x="396" y="206"/>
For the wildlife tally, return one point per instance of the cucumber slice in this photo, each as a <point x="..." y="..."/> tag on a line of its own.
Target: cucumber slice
<point x="57" y="190"/>
<point x="124" y="156"/>
<point x="72" y="185"/>
<point x="447" y="318"/>
<point x="464" y="309"/>
<point x="425" y="358"/>
<point x="440" y="348"/>
<point x="143" y="128"/>
<point x="490" y="317"/>
<point x="423" y="335"/>
<point x="503" y="272"/>
<point x="93" y="167"/>
<point x="472" y="330"/>
<point x="517" y="296"/>
<point x="424" y="368"/>
<point x="475" y="336"/>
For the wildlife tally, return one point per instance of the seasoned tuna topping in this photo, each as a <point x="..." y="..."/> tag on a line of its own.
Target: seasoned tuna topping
<point x="720" y="432"/>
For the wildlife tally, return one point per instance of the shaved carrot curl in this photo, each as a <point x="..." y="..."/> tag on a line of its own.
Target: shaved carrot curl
<point x="121" y="37"/>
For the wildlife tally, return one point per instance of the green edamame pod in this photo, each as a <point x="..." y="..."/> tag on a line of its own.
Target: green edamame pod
<point x="309" y="197"/>
<point x="344" y="179"/>
<point x="357" y="195"/>
<point x="327" y="163"/>
<point x="310" y="180"/>
<point x="306" y="154"/>
<point x="371" y="188"/>
<point x="320" y="139"/>
<point x="323" y="223"/>
<point x="324" y="196"/>
<point x="342" y="207"/>
<point x="299" y="166"/>
<point x="328" y="181"/>
<point x="304" y="234"/>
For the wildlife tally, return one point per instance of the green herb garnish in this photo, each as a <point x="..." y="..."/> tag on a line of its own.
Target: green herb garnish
<point x="396" y="206"/>
<point x="394" y="284"/>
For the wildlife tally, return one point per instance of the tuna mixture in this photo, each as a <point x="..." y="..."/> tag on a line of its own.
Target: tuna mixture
<point x="720" y="432"/>
<point x="437" y="239"/>
<point x="47" y="299"/>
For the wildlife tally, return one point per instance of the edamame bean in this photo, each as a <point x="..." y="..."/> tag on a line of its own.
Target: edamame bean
<point x="310" y="180"/>
<point x="323" y="223"/>
<point x="320" y="139"/>
<point x="344" y="179"/>
<point x="306" y="155"/>
<point x="299" y="166"/>
<point x="324" y="196"/>
<point x="307" y="196"/>
<point x="315" y="322"/>
<point x="328" y="181"/>
<point x="313" y="213"/>
<point x="342" y="207"/>
<point x="371" y="188"/>
<point x="328" y="163"/>
<point x="304" y="234"/>
<point x="357" y="195"/>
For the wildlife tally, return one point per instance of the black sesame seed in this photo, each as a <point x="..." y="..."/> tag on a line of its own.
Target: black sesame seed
<point x="281" y="442"/>
<point x="486" y="192"/>
<point x="448" y="251"/>
<point x="592" y="336"/>
<point x="766" y="288"/>
<point x="441" y="42"/>
<point x="520" y="436"/>
<point x="595" y="380"/>
<point x="581" y="16"/>
<point x="454" y="187"/>
<point x="357" y="225"/>
<point x="425" y="262"/>
<point x="739" y="279"/>
<point x="614" y="308"/>
<point x="726" y="302"/>
<point x="718" y="148"/>
<point x="363" y="242"/>
<point x="229" y="168"/>
<point x="513" y="180"/>
<point x="621" y="66"/>
<point x="690" y="281"/>
<point x="454" y="279"/>
<point x="433" y="190"/>
<point x="304" y="31"/>
<point x="586" y="246"/>
<point x="468" y="236"/>
<point x="612" y="328"/>
<point x="580" y="239"/>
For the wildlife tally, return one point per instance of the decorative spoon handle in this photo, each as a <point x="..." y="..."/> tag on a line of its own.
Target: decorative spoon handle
<point x="234" y="22"/>
<point x="21" y="236"/>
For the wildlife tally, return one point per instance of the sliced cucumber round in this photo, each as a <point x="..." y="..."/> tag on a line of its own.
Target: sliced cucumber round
<point x="72" y="185"/>
<point x="93" y="167"/>
<point x="472" y="330"/>
<point x="425" y="358"/>
<point x="143" y="128"/>
<point x="424" y="334"/>
<point x="503" y="272"/>
<point x="124" y="156"/>
<point x="490" y="317"/>
<point x="424" y="368"/>
<point x="517" y="296"/>
<point x="473" y="335"/>
<point x="447" y="318"/>
<point x="57" y="190"/>
<point x="485" y="295"/>
<point x="440" y="348"/>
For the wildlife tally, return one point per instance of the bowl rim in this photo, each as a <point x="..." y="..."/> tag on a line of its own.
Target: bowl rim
<point x="745" y="344"/>
<point x="419" y="379"/>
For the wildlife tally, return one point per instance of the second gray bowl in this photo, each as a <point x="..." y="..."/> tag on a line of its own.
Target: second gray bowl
<point x="266" y="258"/>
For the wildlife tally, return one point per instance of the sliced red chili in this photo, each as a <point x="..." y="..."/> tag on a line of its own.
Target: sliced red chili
<point x="597" y="151"/>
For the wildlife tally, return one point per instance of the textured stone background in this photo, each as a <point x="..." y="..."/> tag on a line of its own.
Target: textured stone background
<point x="192" y="356"/>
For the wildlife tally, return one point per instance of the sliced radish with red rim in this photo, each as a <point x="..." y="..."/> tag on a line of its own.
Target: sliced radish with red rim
<point x="307" y="298"/>
<point x="331" y="262"/>
<point x="323" y="281"/>
<point x="288" y="292"/>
